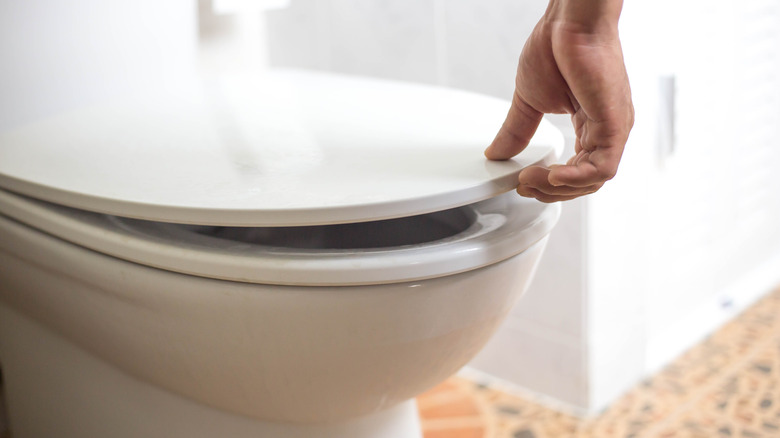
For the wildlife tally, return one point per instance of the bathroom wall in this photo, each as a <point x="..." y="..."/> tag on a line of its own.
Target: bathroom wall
<point x="686" y="236"/>
<point x="59" y="54"/>
<point x="464" y="44"/>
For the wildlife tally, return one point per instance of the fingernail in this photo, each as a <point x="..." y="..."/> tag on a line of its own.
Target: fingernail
<point x="490" y="152"/>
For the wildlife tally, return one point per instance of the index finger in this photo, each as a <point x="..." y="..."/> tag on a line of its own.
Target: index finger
<point x="518" y="128"/>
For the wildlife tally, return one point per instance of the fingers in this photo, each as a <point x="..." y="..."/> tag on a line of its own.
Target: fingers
<point x="517" y="130"/>
<point x="586" y="168"/>
<point x="544" y="197"/>
<point x="534" y="182"/>
<point x="583" y="76"/>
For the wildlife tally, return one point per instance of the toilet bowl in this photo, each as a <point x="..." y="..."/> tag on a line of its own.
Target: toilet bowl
<point x="166" y="270"/>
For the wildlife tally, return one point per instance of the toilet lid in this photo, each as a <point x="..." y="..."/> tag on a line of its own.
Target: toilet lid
<point x="285" y="148"/>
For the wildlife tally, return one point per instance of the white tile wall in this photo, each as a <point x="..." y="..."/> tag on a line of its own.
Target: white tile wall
<point x="484" y="40"/>
<point x="615" y="364"/>
<point x="464" y="44"/>
<point x="299" y="36"/>
<point x="555" y="300"/>
<point x="537" y="361"/>
<point x="717" y="242"/>
<point x="57" y="55"/>
<point x="391" y="39"/>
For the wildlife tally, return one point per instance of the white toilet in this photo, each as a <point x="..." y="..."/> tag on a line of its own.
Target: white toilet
<point x="285" y="257"/>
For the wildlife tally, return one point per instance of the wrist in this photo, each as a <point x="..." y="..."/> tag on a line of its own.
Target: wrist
<point x="585" y="16"/>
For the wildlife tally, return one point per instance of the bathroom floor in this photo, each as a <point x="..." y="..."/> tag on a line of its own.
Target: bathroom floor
<point x="727" y="386"/>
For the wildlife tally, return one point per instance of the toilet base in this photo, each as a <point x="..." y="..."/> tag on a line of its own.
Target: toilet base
<point x="55" y="389"/>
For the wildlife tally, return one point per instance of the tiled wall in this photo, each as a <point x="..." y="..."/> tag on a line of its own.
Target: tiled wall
<point x="57" y="55"/>
<point x="679" y="242"/>
<point x="467" y="44"/>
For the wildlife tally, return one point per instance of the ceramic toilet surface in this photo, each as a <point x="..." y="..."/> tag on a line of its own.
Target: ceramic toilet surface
<point x="289" y="148"/>
<point x="173" y="265"/>
<point x="95" y="346"/>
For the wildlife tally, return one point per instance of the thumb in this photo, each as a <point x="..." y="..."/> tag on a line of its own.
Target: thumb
<point x="517" y="130"/>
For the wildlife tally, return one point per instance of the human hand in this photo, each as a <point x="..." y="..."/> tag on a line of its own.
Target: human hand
<point x="572" y="63"/>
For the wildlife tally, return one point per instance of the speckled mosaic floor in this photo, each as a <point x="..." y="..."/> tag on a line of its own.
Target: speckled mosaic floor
<point x="727" y="386"/>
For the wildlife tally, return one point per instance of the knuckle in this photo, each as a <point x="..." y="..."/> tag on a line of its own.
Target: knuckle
<point x="607" y="173"/>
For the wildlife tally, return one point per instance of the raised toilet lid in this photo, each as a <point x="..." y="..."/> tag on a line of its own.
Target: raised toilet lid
<point x="290" y="148"/>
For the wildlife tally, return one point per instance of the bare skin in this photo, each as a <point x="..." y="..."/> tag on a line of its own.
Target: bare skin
<point x="571" y="64"/>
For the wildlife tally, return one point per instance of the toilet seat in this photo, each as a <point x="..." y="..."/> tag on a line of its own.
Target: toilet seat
<point x="290" y="148"/>
<point x="502" y="227"/>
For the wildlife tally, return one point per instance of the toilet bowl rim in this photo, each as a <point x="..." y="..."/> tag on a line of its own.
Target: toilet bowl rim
<point x="508" y="225"/>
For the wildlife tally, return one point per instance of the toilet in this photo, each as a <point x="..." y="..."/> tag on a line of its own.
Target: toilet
<point x="292" y="256"/>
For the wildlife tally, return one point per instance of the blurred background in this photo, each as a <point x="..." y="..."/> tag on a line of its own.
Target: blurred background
<point x="683" y="239"/>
